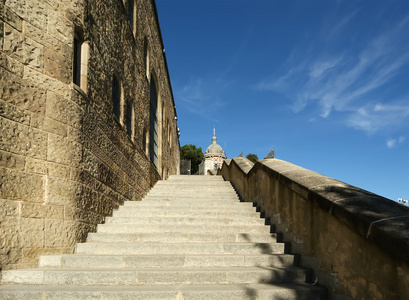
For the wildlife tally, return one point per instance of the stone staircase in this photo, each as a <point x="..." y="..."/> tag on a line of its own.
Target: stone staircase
<point x="190" y="238"/>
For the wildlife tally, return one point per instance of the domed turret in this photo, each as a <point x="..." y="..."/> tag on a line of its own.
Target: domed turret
<point x="214" y="147"/>
<point x="214" y="156"/>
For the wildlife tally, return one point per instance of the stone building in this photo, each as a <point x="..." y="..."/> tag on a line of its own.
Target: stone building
<point x="214" y="156"/>
<point x="87" y="119"/>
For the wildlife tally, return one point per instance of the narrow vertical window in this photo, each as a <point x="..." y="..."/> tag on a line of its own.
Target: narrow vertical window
<point x="144" y="140"/>
<point x="77" y="61"/>
<point x="131" y="13"/>
<point x="80" y="60"/>
<point x="153" y="129"/>
<point x="128" y="119"/>
<point x="116" y="98"/>
<point x="146" y="57"/>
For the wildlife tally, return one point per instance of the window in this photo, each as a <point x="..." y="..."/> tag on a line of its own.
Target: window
<point x="144" y="142"/>
<point x="146" y="57"/>
<point x="129" y="118"/>
<point x="116" y="98"/>
<point x="131" y="14"/>
<point x="153" y="128"/>
<point x="77" y="61"/>
<point x="80" y="60"/>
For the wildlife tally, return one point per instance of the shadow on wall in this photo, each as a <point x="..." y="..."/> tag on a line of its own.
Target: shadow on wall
<point x="313" y="210"/>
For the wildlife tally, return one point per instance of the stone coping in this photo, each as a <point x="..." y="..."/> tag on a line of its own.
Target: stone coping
<point x="378" y="219"/>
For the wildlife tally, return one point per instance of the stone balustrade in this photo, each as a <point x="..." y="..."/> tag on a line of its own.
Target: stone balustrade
<point x="356" y="242"/>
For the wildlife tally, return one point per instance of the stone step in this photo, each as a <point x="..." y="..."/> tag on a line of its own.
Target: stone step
<point x="202" y="209"/>
<point x="177" y="248"/>
<point x="146" y="212"/>
<point x="293" y="291"/>
<point x="142" y="276"/>
<point x="213" y="187"/>
<point x="185" y="189"/>
<point x="207" y="228"/>
<point x="185" y="221"/>
<point x="190" y="238"/>
<point x="182" y="202"/>
<point x="166" y="260"/>
<point x="181" y="237"/>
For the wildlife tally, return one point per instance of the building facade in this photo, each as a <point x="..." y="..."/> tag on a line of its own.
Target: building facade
<point x="87" y="119"/>
<point x="213" y="157"/>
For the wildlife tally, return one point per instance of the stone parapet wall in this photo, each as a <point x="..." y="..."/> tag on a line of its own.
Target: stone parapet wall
<point x="65" y="160"/>
<point x="356" y="242"/>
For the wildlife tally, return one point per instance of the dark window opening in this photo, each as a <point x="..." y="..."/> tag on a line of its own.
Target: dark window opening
<point x="116" y="98"/>
<point x="144" y="141"/>
<point x="128" y="119"/>
<point x="153" y="129"/>
<point x="145" y="55"/>
<point x="131" y="13"/>
<point x="77" y="61"/>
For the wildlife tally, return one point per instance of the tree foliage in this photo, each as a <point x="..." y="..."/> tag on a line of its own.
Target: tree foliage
<point x="195" y="155"/>
<point x="252" y="157"/>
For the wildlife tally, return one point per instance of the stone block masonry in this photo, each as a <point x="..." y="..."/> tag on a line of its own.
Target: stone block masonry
<point x="66" y="160"/>
<point x="356" y="242"/>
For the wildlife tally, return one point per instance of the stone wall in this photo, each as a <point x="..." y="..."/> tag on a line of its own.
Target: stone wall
<point x="356" y="242"/>
<point x="66" y="160"/>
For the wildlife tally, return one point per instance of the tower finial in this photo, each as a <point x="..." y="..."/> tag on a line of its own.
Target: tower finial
<point x="214" y="139"/>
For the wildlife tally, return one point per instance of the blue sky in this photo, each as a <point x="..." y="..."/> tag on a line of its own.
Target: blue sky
<point x="324" y="83"/>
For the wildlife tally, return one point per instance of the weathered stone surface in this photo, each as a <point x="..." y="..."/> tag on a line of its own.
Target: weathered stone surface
<point x="17" y="6"/>
<point x="59" y="27"/>
<point x="9" y="232"/>
<point x="12" y="42"/>
<point x="13" y="113"/>
<point x="65" y="233"/>
<point x="49" y="125"/>
<point x="16" y="185"/>
<point x="12" y="257"/>
<point x="41" y="211"/>
<point x="31" y="232"/>
<point x="65" y="111"/>
<point x="9" y="208"/>
<point x="33" y="54"/>
<point x="57" y="170"/>
<point x="62" y="191"/>
<point x="36" y="166"/>
<point x="10" y="64"/>
<point x="12" y="161"/>
<point x="22" y="140"/>
<point x="10" y="17"/>
<point x="25" y="95"/>
<point x="329" y="218"/>
<point x="60" y="233"/>
<point x="63" y="150"/>
<point x="63" y="139"/>
<point x="36" y="13"/>
<point x="57" y="66"/>
<point x="38" y="79"/>
<point x="73" y="213"/>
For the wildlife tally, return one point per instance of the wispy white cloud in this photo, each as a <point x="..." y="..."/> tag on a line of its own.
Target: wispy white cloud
<point x="393" y="142"/>
<point x="340" y="24"/>
<point x="199" y="96"/>
<point x="372" y="118"/>
<point x="349" y="79"/>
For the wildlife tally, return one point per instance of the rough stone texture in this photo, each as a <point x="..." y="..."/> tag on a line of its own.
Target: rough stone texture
<point x="359" y="240"/>
<point x="65" y="161"/>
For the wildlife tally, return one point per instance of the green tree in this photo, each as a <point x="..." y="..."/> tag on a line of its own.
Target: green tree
<point x="195" y="155"/>
<point x="252" y="157"/>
